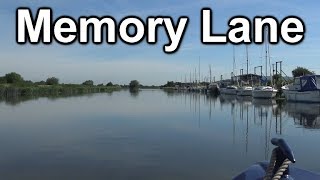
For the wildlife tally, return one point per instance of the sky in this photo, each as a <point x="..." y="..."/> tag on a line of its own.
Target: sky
<point x="121" y="63"/>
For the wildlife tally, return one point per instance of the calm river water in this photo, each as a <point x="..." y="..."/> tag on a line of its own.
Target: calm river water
<point x="149" y="135"/>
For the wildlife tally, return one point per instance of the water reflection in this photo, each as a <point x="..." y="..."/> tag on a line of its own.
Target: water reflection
<point x="16" y="100"/>
<point x="159" y="135"/>
<point x="134" y="92"/>
<point x="266" y="114"/>
<point x="304" y="115"/>
<point x="227" y="99"/>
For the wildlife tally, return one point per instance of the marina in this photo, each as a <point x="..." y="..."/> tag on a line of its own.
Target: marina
<point x="304" y="87"/>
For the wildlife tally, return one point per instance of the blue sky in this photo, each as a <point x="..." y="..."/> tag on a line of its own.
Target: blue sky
<point x="121" y="63"/>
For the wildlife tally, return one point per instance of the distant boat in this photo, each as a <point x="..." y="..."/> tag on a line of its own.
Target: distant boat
<point x="245" y="91"/>
<point x="304" y="89"/>
<point x="197" y="88"/>
<point x="231" y="90"/>
<point x="213" y="88"/>
<point x="266" y="92"/>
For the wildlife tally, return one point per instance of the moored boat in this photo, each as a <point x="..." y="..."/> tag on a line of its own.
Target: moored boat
<point x="231" y="90"/>
<point x="213" y="88"/>
<point x="266" y="92"/>
<point x="304" y="89"/>
<point x="245" y="91"/>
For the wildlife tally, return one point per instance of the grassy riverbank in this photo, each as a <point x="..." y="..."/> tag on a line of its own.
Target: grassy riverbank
<point x="14" y="85"/>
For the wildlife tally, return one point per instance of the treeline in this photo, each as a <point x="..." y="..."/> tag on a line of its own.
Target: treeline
<point x="17" y="80"/>
<point x="13" y="84"/>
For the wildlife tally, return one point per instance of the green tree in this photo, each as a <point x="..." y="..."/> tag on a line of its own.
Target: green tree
<point x="134" y="85"/>
<point x="301" y="71"/>
<point x="13" y="78"/>
<point x="277" y="79"/>
<point x="40" y="83"/>
<point x="109" y="84"/>
<point x="88" y="83"/>
<point x="28" y="82"/>
<point x="52" y="81"/>
<point x="170" y="84"/>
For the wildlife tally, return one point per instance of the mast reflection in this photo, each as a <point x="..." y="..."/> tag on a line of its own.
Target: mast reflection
<point x="251" y="122"/>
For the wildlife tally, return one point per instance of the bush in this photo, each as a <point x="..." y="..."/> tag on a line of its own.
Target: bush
<point x="28" y="83"/>
<point x="88" y="83"/>
<point x="109" y="84"/>
<point x="13" y="78"/>
<point x="40" y="83"/>
<point x="134" y="85"/>
<point x="52" y="81"/>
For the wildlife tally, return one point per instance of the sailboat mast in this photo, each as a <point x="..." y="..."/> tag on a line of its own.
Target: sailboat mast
<point x="266" y="47"/>
<point x="195" y="76"/>
<point x="234" y="60"/>
<point x="270" y="65"/>
<point x="199" y="71"/>
<point x="234" y="63"/>
<point x="210" y="73"/>
<point x="247" y="60"/>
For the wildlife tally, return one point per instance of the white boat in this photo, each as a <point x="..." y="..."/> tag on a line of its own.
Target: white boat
<point x="231" y="90"/>
<point x="304" y="89"/>
<point x="196" y="89"/>
<point x="245" y="91"/>
<point x="266" y="92"/>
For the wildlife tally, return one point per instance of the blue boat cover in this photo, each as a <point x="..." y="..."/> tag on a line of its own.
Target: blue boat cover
<point x="310" y="83"/>
<point x="263" y="80"/>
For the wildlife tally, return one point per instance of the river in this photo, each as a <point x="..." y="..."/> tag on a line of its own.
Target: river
<point x="150" y="135"/>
